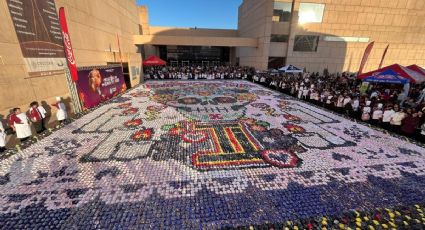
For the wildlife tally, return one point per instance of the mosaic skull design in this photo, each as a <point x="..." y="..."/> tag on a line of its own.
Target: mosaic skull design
<point x="217" y="103"/>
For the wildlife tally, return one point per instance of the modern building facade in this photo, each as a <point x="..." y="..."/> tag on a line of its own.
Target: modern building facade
<point x="313" y="34"/>
<point x="318" y="34"/>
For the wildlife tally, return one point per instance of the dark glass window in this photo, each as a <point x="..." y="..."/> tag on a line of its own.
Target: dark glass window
<point x="279" y="38"/>
<point x="276" y="62"/>
<point x="306" y="43"/>
<point x="282" y="11"/>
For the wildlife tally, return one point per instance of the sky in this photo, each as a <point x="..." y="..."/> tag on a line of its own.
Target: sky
<point x="217" y="14"/>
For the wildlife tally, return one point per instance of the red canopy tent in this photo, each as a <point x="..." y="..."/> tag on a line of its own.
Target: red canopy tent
<point x="417" y="69"/>
<point x="154" y="61"/>
<point x="401" y="71"/>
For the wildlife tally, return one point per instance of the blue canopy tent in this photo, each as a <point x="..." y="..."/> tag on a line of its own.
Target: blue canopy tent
<point x="387" y="76"/>
<point x="290" y="69"/>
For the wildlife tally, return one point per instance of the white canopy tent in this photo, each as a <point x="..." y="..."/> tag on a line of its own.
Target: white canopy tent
<point x="290" y="69"/>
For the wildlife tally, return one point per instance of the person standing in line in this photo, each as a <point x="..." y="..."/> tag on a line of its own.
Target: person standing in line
<point x="355" y="104"/>
<point x="386" y="117"/>
<point x="61" y="114"/>
<point x="377" y="115"/>
<point x="20" y="124"/>
<point x="409" y="124"/>
<point x="396" y="119"/>
<point x="340" y="103"/>
<point x="36" y="117"/>
<point x="366" y="112"/>
<point x="2" y="138"/>
<point x="43" y="112"/>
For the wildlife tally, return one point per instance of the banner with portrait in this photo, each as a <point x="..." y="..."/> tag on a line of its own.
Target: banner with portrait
<point x="99" y="83"/>
<point x="39" y="34"/>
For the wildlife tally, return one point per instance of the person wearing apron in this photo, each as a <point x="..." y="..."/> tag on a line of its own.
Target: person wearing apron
<point x="21" y="125"/>
<point x="61" y="113"/>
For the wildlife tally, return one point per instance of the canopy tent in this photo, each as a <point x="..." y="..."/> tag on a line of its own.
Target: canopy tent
<point x="273" y="71"/>
<point x="386" y="76"/>
<point x="417" y="68"/>
<point x="154" y="61"/>
<point x="290" y="69"/>
<point x="395" y="73"/>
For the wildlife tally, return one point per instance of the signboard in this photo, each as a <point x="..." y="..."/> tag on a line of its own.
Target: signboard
<point x="98" y="84"/>
<point x="364" y="87"/>
<point x="39" y="34"/>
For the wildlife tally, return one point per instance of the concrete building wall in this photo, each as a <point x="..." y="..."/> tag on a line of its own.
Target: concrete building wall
<point x="93" y="27"/>
<point x="398" y="23"/>
<point x="255" y="21"/>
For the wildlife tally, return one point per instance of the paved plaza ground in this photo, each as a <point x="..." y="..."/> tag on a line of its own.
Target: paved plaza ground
<point x="205" y="154"/>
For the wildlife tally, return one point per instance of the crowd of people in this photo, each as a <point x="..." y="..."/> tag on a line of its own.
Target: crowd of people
<point x="382" y="105"/>
<point x="19" y="122"/>
<point x="198" y="72"/>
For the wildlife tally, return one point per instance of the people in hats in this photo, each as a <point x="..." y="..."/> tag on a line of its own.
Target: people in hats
<point x="61" y="114"/>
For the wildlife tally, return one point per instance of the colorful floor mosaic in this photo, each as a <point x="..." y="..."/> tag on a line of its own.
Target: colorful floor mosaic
<point x="205" y="154"/>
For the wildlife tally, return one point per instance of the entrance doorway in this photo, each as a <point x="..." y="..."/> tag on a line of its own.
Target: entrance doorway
<point x="174" y="63"/>
<point x="125" y="71"/>
<point x="185" y="63"/>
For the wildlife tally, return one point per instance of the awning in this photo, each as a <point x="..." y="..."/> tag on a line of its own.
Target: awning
<point x="154" y="61"/>
<point x="290" y="69"/>
<point x="417" y="68"/>
<point x="387" y="76"/>
<point x="393" y="74"/>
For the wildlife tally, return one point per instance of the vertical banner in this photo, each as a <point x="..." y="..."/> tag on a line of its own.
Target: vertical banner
<point x="98" y="84"/>
<point x="37" y="28"/>
<point x="67" y="45"/>
<point x="365" y="57"/>
<point x="383" y="57"/>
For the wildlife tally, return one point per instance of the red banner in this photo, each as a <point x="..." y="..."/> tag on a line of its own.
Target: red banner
<point x="365" y="57"/>
<point x="67" y="45"/>
<point x="383" y="57"/>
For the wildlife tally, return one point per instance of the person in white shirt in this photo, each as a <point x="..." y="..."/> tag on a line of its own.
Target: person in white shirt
<point x="340" y="103"/>
<point x="21" y="125"/>
<point x="386" y="117"/>
<point x="312" y="96"/>
<point x="317" y="98"/>
<point x="306" y="90"/>
<point x="355" y="104"/>
<point x="366" y="111"/>
<point x="43" y="115"/>
<point x="329" y="102"/>
<point x="346" y="103"/>
<point x="377" y="115"/>
<point x="347" y="100"/>
<point x="2" y="138"/>
<point x="300" y="92"/>
<point x="61" y="114"/>
<point x="396" y="120"/>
